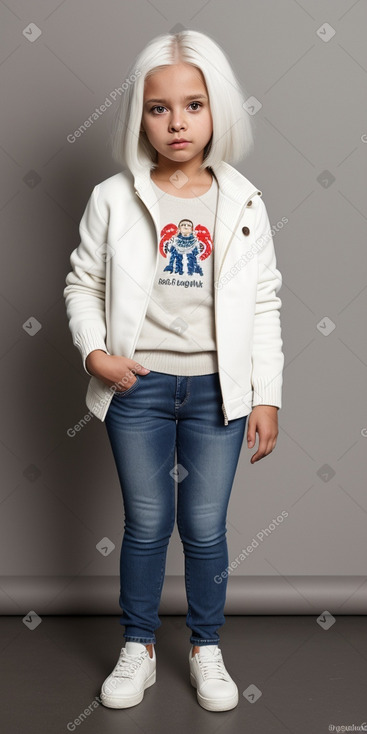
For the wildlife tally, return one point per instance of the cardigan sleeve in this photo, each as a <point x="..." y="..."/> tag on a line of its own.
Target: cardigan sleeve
<point x="85" y="284"/>
<point x="267" y="354"/>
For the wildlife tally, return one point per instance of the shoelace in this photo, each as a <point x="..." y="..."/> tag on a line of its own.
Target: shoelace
<point x="212" y="668"/>
<point x="128" y="664"/>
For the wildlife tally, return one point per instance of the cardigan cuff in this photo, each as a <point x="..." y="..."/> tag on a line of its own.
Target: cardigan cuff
<point x="267" y="391"/>
<point x="88" y="340"/>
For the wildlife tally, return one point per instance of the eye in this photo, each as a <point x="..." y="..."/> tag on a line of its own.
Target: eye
<point x="157" y="107"/>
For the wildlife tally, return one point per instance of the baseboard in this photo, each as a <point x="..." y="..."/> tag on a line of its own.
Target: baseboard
<point x="245" y="595"/>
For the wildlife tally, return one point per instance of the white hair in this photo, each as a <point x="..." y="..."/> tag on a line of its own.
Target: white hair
<point x="232" y="137"/>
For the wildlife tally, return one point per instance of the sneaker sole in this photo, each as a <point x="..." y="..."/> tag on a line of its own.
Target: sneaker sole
<point x="214" y="705"/>
<point x="126" y="702"/>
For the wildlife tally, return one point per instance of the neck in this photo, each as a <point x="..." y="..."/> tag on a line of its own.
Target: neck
<point x="167" y="168"/>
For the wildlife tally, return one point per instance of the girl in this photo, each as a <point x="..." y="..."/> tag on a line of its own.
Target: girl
<point x="172" y="302"/>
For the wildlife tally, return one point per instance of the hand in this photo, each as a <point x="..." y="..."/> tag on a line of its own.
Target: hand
<point x="114" y="370"/>
<point x="264" y="420"/>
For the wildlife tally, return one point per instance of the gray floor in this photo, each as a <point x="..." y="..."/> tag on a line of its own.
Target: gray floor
<point x="310" y="678"/>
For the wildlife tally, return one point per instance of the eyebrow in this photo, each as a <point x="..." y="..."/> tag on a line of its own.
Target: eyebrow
<point x="187" y="98"/>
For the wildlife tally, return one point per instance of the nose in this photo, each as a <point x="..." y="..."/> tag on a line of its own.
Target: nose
<point x="177" y="122"/>
<point x="175" y="126"/>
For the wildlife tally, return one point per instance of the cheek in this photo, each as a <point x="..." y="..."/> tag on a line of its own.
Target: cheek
<point x="157" y="126"/>
<point x="208" y="123"/>
<point x="151" y="128"/>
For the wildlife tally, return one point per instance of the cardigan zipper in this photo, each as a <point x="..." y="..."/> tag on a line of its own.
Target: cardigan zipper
<point x="152" y="281"/>
<point x="239" y="217"/>
<point x="244" y="206"/>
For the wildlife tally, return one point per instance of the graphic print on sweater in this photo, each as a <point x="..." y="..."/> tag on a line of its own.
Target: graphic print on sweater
<point x="185" y="247"/>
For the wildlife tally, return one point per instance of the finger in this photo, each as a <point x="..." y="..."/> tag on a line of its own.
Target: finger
<point x="251" y="435"/>
<point x="263" y="450"/>
<point x="139" y="368"/>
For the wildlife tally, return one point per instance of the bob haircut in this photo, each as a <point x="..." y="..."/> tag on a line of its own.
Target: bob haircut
<point x="232" y="137"/>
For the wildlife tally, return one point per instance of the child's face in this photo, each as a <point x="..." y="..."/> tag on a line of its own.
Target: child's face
<point x="185" y="228"/>
<point x="170" y="116"/>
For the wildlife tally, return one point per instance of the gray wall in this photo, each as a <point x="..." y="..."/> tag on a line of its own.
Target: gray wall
<point x="60" y="495"/>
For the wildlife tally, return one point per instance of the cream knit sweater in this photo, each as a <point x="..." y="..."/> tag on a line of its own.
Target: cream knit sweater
<point x="178" y="333"/>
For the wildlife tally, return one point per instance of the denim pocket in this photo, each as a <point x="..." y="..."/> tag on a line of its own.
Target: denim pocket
<point x="122" y="393"/>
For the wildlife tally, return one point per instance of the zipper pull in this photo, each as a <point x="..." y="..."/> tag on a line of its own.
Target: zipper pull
<point x="225" y="415"/>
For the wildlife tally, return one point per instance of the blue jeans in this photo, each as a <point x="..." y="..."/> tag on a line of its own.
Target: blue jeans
<point x="158" y="414"/>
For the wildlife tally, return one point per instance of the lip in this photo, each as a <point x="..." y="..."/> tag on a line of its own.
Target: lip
<point x="179" y="143"/>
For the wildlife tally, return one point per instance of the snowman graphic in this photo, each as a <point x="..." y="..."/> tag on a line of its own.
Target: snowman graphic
<point x="185" y="246"/>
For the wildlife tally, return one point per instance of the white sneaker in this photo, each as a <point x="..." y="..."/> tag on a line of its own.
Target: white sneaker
<point x="134" y="671"/>
<point x="216" y="691"/>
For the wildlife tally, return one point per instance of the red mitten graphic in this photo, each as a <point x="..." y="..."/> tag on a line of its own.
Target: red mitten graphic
<point x="167" y="232"/>
<point x="203" y="235"/>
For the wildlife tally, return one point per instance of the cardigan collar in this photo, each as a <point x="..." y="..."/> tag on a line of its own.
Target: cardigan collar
<point x="232" y="184"/>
